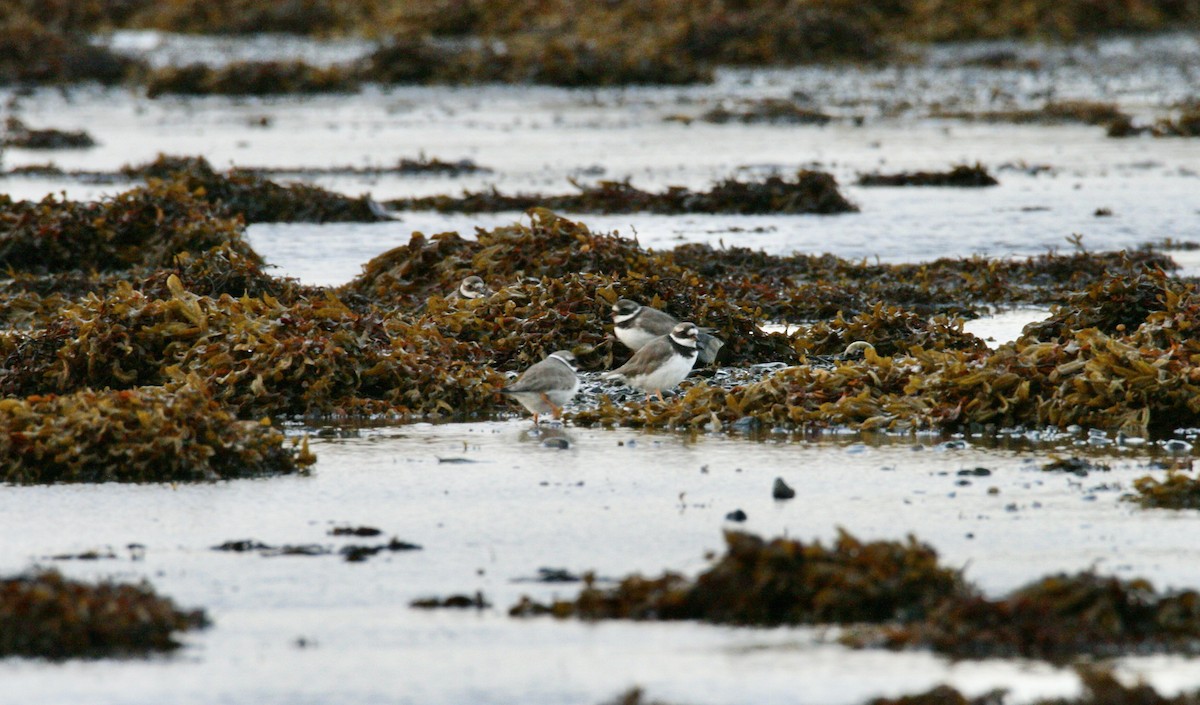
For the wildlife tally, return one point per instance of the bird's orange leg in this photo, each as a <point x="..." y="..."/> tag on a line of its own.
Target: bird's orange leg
<point x="555" y="409"/>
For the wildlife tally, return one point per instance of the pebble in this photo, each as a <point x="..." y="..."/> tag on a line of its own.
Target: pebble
<point x="781" y="490"/>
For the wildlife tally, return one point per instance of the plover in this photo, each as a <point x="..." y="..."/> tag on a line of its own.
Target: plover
<point x="661" y="363"/>
<point x="546" y="386"/>
<point x="470" y="288"/>
<point x="636" y="325"/>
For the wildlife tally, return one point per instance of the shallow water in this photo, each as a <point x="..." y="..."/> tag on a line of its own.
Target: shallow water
<point x="618" y="501"/>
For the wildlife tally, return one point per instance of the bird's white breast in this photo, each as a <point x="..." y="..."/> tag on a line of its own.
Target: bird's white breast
<point x="633" y="337"/>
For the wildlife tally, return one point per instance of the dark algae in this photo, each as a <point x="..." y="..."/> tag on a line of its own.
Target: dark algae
<point x="18" y="134"/>
<point x="898" y="595"/>
<point x="148" y="434"/>
<point x="45" y="615"/>
<point x="807" y="192"/>
<point x="1099" y="686"/>
<point x="562" y="43"/>
<point x="777" y="582"/>
<point x="157" y="284"/>
<point x="1177" y="490"/>
<point x="963" y="176"/>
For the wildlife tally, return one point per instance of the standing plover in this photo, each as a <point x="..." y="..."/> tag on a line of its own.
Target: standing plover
<point x="547" y="385"/>
<point x="636" y="325"/>
<point x="661" y="363"/>
<point x="470" y="288"/>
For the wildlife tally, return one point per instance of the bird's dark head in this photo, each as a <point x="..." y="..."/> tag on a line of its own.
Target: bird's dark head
<point x="625" y="308"/>
<point x="685" y="334"/>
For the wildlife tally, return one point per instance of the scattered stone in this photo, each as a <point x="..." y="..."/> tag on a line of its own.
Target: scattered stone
<point x="738" y="515"/>
<point x="781" y="490"/>
<point x="975" y="472"/>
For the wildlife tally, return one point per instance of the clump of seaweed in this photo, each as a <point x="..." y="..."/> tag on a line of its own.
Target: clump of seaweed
<point x="1059" y="617"/>
<point x="260" y="356"/>
<point x="1058" y="112"/>
<point x="1116" y="304"/>
<point x="249" y="78"/>
<point x="31" y="52"/>
<point x="1099" y="686"/>
<point x="962" y="176"/>
<point x="255" y="198"/>
<point x="901" y="597"/>
<point x="18" y="134"/>
<point x="44" y="615"/>
<point x="1187" y="124"/>
<point x="476" y="601"/>
<point x="1178" y="490"/>
<point x="777" y="582"/>
<point x="766" y="110"/>
<point x="150" y="434"/>
<point x="145" y="226"/>
<point x="809" y="192"/>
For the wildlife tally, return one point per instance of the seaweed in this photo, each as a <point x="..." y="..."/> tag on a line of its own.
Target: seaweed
<point x="249" y="78"/>
<point x="899" y="596"/>
<point x="1186" y="124"/>
<point x="45" y="615"/>
<point x="561" y="42"/>
<point x="1055" y="112"/>
<point x="18" y="134"/>
<point x="766" y="110"/>
<point x="150" y="434"/>
<point x="810" y="192"/>
<point x="476" y="601"/>
<point x="778" y="582"/>
<point x="960" y="176"/>
<point x="1098" y="684"/>
<point x="144" y="226"/>
<point x="31" y="52"/>
<point x="1178" y="490"/>
<point x="1057" y="618"/>
<point x="245" y="193"/>
<point x="261" y="356"/>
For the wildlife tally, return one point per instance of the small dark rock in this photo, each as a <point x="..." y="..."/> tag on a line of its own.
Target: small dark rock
<point x="781" y="490"/>
<point x="975" y="472"/>
<point x="556" y="575"/>
<point x="242" y="546"/>
<point x="354" y="531"/>
<point x="738" y="515"/>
